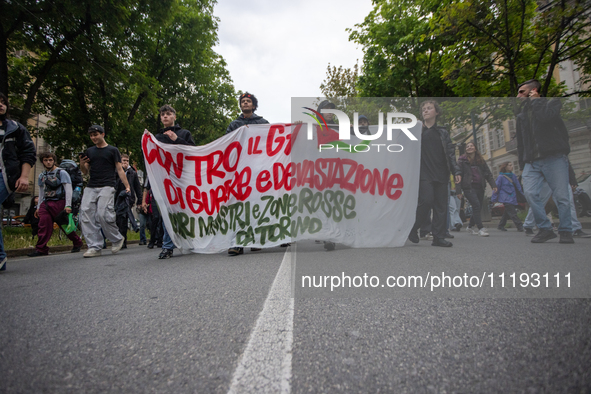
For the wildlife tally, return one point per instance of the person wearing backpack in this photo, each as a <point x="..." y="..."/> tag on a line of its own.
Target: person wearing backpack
<point x="17" y="157"/>
<point x="55" y="196"/>
<point x="75" y="173"/>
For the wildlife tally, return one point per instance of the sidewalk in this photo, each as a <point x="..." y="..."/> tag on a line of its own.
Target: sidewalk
<point x="55" y="249"/>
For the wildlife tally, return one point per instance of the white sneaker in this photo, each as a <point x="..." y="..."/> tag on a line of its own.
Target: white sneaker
<point x="472" y="230"/>
<point x="117" y="246"/>
<point x="427" y="237"/>
<point x="92" y="253"/>
<point x="482" y="232"/>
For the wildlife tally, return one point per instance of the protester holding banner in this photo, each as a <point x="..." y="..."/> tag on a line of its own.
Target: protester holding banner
<point x="103" y="163"/>
<point x="475" y="173"/>
<point x="172" y="133"/>
<point x="55" y="196"/>
<point x="248" y="104"/>
<point x="438" y="160"/>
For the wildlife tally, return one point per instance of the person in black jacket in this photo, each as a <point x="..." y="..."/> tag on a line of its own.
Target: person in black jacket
<point x="438" y="160"/>
<point x="17" y="157"/>
<point x="475" y="173"/>
<point x="248" y="104"/>
<point x="172" y="133"/>
<point x="135" y="195"/>
<point x="543" y="147"/>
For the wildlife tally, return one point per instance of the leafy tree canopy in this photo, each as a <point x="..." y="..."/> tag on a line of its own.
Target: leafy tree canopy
<point x="115" y="64"/>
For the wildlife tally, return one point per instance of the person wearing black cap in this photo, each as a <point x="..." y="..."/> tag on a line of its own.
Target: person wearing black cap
<point x="97" y="210"/>
<point x="363" y="123"/>
<point x="248" y="104"/>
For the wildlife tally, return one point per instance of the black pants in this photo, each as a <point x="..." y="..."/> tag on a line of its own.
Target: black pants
<point x="122" y="224"/>
<point x="432" y="195"/>
<point x="475" y="196"/>
<point x="156" y="231"/>
<point x="510" y="212"/>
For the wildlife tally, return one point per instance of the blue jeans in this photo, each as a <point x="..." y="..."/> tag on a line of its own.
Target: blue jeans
<point x="3" y="196"/>
<point x="553" y="171"/>
<point x="166" y="241"/>
<point x="454" y="211"/>
<point x="545" y="194"/>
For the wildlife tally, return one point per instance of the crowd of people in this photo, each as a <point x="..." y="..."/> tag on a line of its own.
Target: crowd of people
<point x="114" y="187"/>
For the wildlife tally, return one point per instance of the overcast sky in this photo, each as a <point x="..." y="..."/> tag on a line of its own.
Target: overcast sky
<point x="278" y="50"/>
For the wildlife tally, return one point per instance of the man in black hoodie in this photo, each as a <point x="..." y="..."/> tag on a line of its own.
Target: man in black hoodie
<point x="172" y="133"/>
<point x="543" y="147"/>
<point x="248" y="104"/>
<point x="17" y="157"/>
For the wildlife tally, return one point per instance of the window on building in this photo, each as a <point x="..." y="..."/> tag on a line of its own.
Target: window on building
<point x="499" y="138"/>
<point x="480" y="144"/>
<point x="512" y="128"/>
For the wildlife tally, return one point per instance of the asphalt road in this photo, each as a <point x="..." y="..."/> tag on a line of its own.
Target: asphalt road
<point x="131" y="323"/>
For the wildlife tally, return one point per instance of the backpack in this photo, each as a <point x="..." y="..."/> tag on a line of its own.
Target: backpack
<point x="73" y="170"/>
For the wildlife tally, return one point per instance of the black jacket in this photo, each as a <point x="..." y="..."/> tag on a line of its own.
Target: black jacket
<point x="449" y="148"/>
<point x="540" y="130"/>
<point x="183" y="136"/>
<point x="134" y="186"/>
<point x="241" y="121"/>
<point x="466" y="173"/>
<point x="16" y="149"/>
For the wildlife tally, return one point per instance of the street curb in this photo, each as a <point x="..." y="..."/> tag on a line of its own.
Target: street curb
<point x="53" y="249"/>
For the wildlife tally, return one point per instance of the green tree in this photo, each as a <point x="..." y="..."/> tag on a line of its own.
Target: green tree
<point x="402" y="55"/>
<point x="340" y="82"/>
<point x="117" y="73"/>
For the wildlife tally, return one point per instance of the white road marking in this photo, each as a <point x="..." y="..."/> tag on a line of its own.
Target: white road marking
<point x="265" y="366"/>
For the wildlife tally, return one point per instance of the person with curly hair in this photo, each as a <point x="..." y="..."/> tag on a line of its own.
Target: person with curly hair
<point x="475" y="173"/>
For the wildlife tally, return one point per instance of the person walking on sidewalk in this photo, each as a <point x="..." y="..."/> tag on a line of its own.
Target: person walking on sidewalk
<point x="55" y="196"/>
<point x="438" y="161"/>
<point x="17" y="157"/>
<point x="97" y="211"/>
<point x="475" y="173"/>
<point x="543" y="147"/>
<point x="508" y="186"/>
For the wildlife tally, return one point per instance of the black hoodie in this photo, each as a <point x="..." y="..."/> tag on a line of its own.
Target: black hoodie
<point x="540" y="131"/>
<point x="183" y="136"/>
<point x="242" y="121"/>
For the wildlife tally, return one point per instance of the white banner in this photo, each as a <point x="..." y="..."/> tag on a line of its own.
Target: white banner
<point x="264" y="185"/>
